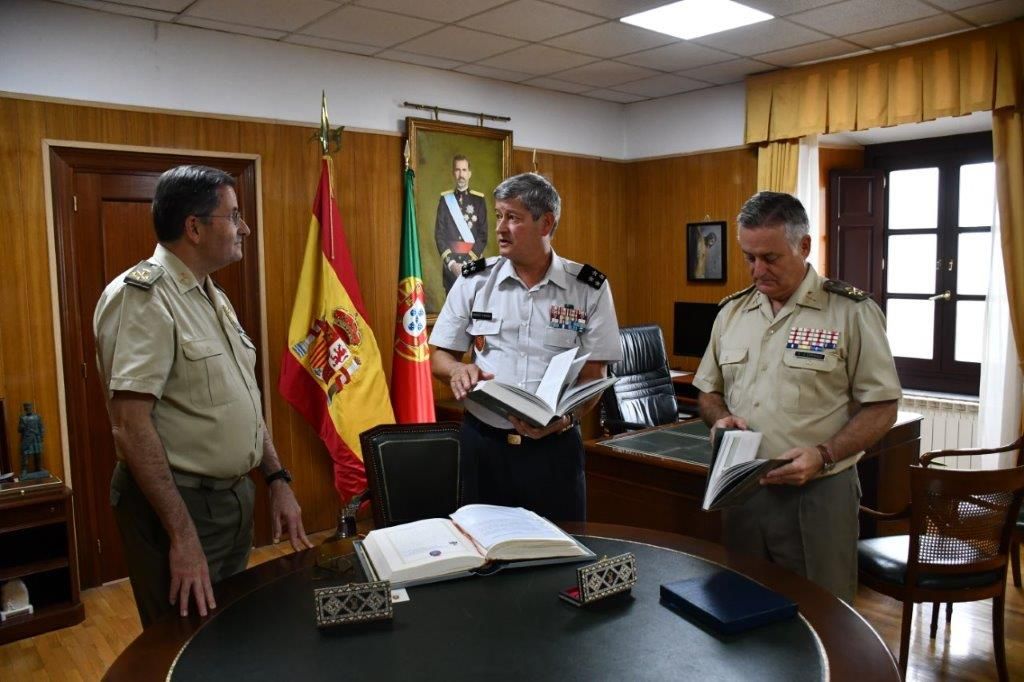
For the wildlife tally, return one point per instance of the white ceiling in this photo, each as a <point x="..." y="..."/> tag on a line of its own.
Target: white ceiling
<point x="578" y="46"/>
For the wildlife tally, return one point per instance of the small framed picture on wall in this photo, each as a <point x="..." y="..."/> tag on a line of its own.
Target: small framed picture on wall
<point x="705" y="252"/>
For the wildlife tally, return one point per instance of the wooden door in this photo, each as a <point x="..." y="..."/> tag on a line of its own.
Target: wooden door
<point x="856" y="224"/>
<point x="104" y="226"/>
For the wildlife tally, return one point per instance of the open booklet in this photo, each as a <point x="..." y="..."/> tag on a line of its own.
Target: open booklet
<point x="555" y="396"/>
<point x="735" y="471"/>
<point x="479" y="539"/>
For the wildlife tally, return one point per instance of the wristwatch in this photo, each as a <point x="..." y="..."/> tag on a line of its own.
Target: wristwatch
<point x="281" y="473"/>
<point x="828" y="458"/>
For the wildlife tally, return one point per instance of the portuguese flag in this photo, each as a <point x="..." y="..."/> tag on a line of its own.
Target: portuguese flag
<point x="331" y="372"/>
<point x="411" y="392"/>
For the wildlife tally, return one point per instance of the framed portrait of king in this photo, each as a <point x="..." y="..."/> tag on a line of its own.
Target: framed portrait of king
<point x="457" y="167"/>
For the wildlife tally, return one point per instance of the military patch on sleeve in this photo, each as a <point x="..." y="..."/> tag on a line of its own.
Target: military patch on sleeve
<point x="835" y="286"/>
<point x="734" y="296"/>
<point x="591" y="276"/>
<point x="144" y="275"/>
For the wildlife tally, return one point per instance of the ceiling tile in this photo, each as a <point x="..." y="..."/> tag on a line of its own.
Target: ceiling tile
<point x="826" y="49"/>
<point x="491" y="72"/>
<point x="530" y="20"/>
<point x="727" y="72"/>
<point x="537" y="60"/>
<point x="418" y="59"/>
<point x="611" y="40"/>
<point x="328" y="44"/>
<point x="993" y="12"/>
<point x="368" y="26"/>
<point x="682" y="55"/>
<point x="775" y="34"/>
<point x="125" y="10"/>
<point x="613" y="9"/>
<point x="661" y="86"/>
<point x="230" y="28"/>
<point x="453" y="42"/>
<point x="438" y="10"/>
<point x="605" y="74"/>
<point x="164" y="5"/>
<point x="928" y="27"/>
<point x="272" y="14"/>
<point x="953" y="5"/>
<point x="781" y="8"/>
<point x="855" y="16"/>
<point x="613" y="96"/>
<point x="555" y="84"/>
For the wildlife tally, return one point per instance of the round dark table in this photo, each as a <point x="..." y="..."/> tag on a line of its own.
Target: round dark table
<point x="512" y="625"/>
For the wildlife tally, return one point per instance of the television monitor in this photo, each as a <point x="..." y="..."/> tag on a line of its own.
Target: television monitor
<point x="692" y="328"/>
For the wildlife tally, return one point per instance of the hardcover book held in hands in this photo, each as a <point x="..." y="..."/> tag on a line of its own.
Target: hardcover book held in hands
<point x="555" y="397"/>
<point x="727" y="602"/>
<point x="735" y="471"/>
<point x="478" y="539"/>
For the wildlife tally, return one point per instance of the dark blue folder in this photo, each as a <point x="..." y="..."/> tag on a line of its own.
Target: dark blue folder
<point x="727" y="602"/>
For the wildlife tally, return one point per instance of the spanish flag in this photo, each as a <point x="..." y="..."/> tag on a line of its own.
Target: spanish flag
<point x="331" y="372"/>
<point x="411" y="391"/>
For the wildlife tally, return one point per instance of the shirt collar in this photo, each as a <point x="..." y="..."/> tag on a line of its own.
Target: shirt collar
<point x="808" y="295"/>
<point x="183" y="278"/>
<point x="555" y="274"/>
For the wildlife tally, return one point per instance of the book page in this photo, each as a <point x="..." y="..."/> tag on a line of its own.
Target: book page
<point x="419" y="549"/>
<point x="490" y="525"/>
<point x="738" y="447"/>
<point x="554" y="378"/>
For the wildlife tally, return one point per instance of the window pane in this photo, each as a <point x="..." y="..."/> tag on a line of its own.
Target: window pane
<point x="970" y="321"/>
<point x="910" y="265"/>
<point x="972" y="270"/>
<point x="910" y="327"/>
<point x="977" y="194"/>
<point x="914" y="198"/>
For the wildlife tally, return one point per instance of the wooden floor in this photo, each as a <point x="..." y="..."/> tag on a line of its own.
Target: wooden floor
<point x="962" y="651"/>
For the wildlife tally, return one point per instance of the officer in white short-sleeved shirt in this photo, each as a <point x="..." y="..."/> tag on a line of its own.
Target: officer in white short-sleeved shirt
<point x="517" y="311"/>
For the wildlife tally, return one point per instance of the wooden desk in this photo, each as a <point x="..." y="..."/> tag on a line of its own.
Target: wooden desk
<point x="651" y="491"/>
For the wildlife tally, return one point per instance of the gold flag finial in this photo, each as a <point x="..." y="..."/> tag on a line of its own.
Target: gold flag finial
<point x="406" y="155"/>
<point x="534" y="159"/>
<point x="325" y="135"/>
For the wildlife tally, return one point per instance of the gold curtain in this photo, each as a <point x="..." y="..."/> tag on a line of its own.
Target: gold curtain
<point x="978" y="70"/>
<point x="777" y="166"/>
<point x="1008" y="147"/>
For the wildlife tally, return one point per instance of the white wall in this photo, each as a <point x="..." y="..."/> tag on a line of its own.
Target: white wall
<point x="694" y="121"/>
<point x="69" y="52"/>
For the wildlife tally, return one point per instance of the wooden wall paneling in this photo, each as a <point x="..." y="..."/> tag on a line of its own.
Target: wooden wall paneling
<point x="9" y="191"/>
<point x="829" y="158"/>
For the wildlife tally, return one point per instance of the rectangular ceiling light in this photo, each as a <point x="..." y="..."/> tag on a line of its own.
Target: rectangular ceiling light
<point x="695" y="18"/>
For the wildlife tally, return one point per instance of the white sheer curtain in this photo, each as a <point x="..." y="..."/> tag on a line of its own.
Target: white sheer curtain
<point x="999" y="401"/>
<point x="808" y="192"/>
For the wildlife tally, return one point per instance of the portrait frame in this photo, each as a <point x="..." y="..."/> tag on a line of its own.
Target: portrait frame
<point x="706" y="251"/>
<point x="432" y="145"/>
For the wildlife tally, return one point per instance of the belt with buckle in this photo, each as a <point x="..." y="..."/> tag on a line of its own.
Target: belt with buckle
<point x="510" y="436"/>
<point x="186" y="480"/>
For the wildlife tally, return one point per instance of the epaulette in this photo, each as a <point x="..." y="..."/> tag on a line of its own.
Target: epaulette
<point x="592" y="276"/>
<point x="477" y="194"/>
<point x="144" y="275"/>
<point x="835" y="286"/>
<point x="478" y="265"/>
<point x="447" y="191"/>
<point x="734" y="296"/>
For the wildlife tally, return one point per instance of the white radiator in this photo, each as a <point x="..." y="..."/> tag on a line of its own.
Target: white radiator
<point x="948" y="424"/>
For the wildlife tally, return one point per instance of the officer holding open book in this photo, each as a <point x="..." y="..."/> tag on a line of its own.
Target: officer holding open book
<point x="518" y="311"/>
<point x="805" y="361"/>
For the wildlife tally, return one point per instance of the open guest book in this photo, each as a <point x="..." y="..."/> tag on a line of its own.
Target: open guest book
<point x="555" y="396"/>
<point x="478" y="540"/>
<point x="735" y="471"/>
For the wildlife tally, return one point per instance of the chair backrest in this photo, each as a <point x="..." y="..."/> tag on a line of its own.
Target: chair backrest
<point x="644" y="393"/>
<point x="961" y="521"/>
<point x="412" y="471"/>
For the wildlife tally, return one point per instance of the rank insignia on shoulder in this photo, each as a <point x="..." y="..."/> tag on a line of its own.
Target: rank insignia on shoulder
<point x="144" y="275"/>
<point x="474" y="266"/>
<point x="477" y="194"/>
<point x="592" y="276"/>
<point x="734" y="296"/>
<point x="843" y="289"/>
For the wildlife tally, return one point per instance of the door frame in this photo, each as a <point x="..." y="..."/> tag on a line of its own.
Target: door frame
<point x="58" y="215"/>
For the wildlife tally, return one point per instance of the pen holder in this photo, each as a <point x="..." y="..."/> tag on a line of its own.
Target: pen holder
<point x="602" y="579"/>
<point x="352" y="603"/>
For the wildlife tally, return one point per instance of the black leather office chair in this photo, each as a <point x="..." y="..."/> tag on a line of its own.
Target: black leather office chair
<point x="643" y="396"/>
<point x="412" y="471"/>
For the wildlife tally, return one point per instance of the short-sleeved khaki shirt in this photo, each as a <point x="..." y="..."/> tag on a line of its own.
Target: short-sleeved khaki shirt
<point x="802" y="395"/>
<point x="516" y="330"/>
<point x="181" y="342"/>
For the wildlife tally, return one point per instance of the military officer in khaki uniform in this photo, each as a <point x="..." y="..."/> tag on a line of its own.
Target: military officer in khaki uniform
<point x="517" y="311"/>
<point x="184" y="405"/>
<point x="461" y="227"/>
<point x="805" y="361"/>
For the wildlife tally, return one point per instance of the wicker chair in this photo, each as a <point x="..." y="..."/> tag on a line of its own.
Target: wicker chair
<point x="961" y="524"/>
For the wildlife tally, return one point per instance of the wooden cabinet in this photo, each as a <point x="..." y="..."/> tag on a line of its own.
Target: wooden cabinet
<point x="37" y="545"/>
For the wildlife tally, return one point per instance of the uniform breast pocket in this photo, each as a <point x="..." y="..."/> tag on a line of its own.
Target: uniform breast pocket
<point x="484" y="333"/>
<point x="561" y="338"/>
<point x="207" y="371"/>
<point x="732" y="361"/>
<point x="806" y="385"/>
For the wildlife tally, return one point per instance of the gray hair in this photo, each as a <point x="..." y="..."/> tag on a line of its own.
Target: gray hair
<point x="775" y="209"/>
<point x="538" y="195"/>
